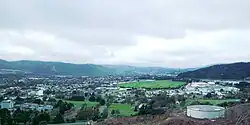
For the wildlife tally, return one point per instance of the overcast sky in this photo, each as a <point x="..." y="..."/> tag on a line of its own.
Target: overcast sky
<point x="168" y="33"/>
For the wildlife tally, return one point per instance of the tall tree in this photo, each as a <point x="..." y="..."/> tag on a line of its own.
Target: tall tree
<point x="58" y="119"/>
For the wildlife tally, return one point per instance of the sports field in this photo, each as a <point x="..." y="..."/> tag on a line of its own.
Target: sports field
<point x="78" y="104"/>
<point x="125" y="109"/>
<point x="158" y="84"/>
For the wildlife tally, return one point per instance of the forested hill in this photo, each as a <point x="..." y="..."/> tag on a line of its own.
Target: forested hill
<point x="55" y="68"/>
<point x="223" y="71"/>
<point x="60" y="68"/>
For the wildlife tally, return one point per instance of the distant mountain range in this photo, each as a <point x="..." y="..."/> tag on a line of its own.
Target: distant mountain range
<point x="125" y="69"/>
<point x="60" y="68"/>
<point x="235" y="71"/>
<point x="222" y="71"/>
<point x="55" y="68"/>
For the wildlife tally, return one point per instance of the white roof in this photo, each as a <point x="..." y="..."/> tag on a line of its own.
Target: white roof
<point x="205" y="108"/>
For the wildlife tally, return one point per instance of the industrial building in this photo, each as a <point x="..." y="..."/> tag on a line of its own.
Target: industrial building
<point x="205" y="111"/>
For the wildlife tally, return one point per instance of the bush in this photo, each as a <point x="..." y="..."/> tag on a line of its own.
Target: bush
<point x="102" y="102"/>
<point x="92" y="98"/>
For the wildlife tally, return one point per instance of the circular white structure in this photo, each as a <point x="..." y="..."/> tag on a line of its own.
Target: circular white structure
<point x="205" y="111"/>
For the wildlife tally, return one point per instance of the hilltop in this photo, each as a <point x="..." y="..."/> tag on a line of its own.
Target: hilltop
<point x="235" y="71"/>
<point x="233" y="116"/>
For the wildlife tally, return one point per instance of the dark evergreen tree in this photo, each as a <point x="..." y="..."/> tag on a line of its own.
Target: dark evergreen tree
<point x="58" y="119"/>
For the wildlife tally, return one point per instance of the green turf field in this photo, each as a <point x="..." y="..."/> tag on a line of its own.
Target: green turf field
<point x="216" y="102"/>
<point x="125" y="109"/>
<point x="158" y="84"/>
<point x="78" y="104"/>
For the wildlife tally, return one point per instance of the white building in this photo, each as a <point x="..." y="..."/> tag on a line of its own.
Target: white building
<point x="29" y="106"/>
<point x="8" y="104"/>
<point x="205" y="111"/>
<point x="39" y="93"/>
<point x="33" y="106"/>
<point x="44" y="107"/>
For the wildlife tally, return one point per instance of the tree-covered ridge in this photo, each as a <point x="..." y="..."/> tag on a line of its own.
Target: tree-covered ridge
<point x="224" y="71"/>
<point x="56" y="68"/>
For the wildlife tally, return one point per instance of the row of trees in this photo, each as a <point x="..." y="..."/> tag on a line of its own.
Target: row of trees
<point x="19" y="116"/>
<point x="31" y="117"/>
<point x="95" y="113"/>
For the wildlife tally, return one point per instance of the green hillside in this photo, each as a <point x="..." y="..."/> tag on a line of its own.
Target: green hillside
<point x="56" y="68"/>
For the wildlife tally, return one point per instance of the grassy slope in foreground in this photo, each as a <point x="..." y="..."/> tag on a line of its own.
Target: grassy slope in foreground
<point x="125" y="109"/>
<point x="153" y="84"/>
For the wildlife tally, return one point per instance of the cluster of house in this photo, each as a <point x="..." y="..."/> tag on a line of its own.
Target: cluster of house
<point x="104" y="86"/>
<point x="197" y="88"/>
<point x="8" y="104"/>
<point x="203" y="88"/>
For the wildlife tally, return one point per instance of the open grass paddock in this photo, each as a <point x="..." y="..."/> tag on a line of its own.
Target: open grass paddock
<point x="157" y="84"/>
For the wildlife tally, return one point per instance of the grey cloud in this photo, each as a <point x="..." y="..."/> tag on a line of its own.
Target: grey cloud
<point x="146" y="17"/>
<point x="99" y="37"/>
<point x="98" y="31"/>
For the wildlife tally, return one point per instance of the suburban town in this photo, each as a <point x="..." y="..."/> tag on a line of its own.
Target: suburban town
<point x="124" y="62"/>
<point x="68" y="99"/>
